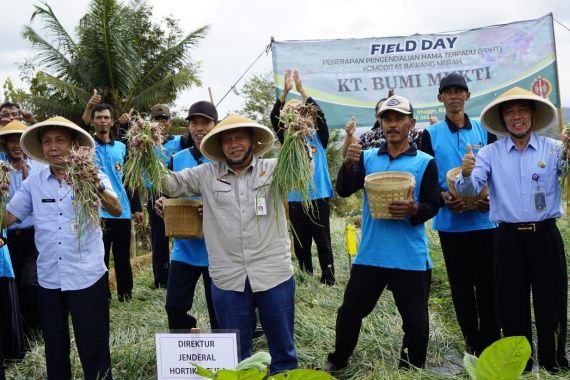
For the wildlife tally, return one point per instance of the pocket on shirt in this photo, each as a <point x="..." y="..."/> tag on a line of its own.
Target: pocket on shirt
<point x="223" y="194"/>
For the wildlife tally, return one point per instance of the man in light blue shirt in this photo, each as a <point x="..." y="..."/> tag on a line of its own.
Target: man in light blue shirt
<point x="71" y="273"/>
<point x="522" y="172"/>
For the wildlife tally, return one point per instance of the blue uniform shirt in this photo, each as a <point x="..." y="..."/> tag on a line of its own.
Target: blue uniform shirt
<point x="321" y="178"/>
<point x="111" y="158"/>
<point x="513" y="176"/>
<point x="6" y="269"/>
<point x="189" y="251"/>
<point x="402" y="245"/>
<point x="449" y="144"/>
<point x="60" y="264"/>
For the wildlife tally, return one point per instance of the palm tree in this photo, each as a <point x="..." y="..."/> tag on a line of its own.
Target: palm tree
<point x="110" y="55"/>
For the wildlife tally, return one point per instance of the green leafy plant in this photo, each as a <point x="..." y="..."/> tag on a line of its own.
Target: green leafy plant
<point x="503" y="360"/>
<point x="255" y="368"/>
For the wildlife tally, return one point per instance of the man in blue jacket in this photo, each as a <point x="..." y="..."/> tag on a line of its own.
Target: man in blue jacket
<point x="315" y="225"/>
<point x="401" y="262"/>
<point x="466" y="236"/>
<point x="110" y="156"/>
<point x="189" y="256"/>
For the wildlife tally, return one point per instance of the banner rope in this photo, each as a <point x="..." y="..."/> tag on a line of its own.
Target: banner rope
<point x="266" y="51"/>
<point x="561" y="24"/>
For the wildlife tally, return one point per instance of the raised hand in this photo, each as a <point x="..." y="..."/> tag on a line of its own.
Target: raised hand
<point x="94" y="100"/>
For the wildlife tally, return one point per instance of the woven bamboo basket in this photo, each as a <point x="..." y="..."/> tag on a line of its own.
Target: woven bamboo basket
<point x="470" y="201"/>
<point x="383" y="188"/>
<point x="182" y="219"/>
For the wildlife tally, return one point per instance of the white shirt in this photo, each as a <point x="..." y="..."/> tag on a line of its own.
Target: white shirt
<point x="63" y="262"/>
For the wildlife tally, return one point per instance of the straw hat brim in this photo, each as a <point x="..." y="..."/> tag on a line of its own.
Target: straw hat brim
<point x="30" y="142"/>
<point x="263" y="139"/>
<point x="15" y="127"/>
<point x="544" y="114"/>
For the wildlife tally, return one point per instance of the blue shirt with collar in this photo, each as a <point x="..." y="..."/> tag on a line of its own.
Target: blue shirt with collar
<point x="63" y="262"/>
<point x="110" y="158"/>
<point x="15" y="184"/>
<point x="448" y="145"/>
<point x="189" y="251"/>
<point x="513" y="177"/>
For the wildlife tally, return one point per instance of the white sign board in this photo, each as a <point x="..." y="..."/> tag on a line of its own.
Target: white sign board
<point x="175" y="354"/>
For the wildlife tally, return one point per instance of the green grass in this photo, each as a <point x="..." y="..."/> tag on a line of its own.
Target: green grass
<point x="134" y="324"/>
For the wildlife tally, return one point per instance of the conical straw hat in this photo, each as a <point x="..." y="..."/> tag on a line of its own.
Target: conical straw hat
<point x="262" y="137"/>
<point x="543" y="117"/>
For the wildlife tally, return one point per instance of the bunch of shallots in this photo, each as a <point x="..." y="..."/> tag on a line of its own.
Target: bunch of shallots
<point x="82" y="175"/>
<point x="4" y="187"/>
<point x="293" y="169"/>
<point x="144" y="140"/>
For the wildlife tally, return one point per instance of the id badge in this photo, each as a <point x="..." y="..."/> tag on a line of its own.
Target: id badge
<point x="539" y="198"/>
<point x="260" y="206"/>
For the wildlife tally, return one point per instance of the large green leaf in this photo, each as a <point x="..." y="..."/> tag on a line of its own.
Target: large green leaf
<point x="259" y="360"/>
<point x="504" y="360"/>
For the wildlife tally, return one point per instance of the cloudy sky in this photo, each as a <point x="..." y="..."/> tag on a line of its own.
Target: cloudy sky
<point x="240" y="30"/>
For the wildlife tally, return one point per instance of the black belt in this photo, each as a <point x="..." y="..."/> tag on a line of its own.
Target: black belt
<point x="528" y="227"/>
<point x="21" y="232"/>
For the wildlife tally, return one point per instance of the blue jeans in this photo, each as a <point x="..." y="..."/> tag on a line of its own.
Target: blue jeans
<point x="236" y="310"/>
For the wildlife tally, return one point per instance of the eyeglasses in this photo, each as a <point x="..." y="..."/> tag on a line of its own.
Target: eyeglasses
<point x="160" y="118"/>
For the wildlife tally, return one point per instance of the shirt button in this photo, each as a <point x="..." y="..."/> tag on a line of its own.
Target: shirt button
<point x="60" y="258"/>
<point x="60" y="213"/>
<point x="59" y="243"/>
<point x="59" y="228"/>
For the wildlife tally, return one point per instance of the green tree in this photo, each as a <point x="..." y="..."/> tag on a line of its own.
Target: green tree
<point x="131" y="61"/>
<point x="258" y="96"/>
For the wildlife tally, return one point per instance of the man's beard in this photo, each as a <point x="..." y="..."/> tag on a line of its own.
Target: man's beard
<point x="241" y="160"/>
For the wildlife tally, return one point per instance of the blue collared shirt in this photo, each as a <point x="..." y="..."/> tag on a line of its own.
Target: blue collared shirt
<point x="15" y="184"/>
<point x="62" y="263"/>
<point x="514" y="176"/>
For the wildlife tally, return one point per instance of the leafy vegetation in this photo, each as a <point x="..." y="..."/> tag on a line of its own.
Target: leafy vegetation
<point x="134" y="324"/>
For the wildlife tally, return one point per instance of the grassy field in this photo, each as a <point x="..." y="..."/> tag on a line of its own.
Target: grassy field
<point x="134" y="324"/>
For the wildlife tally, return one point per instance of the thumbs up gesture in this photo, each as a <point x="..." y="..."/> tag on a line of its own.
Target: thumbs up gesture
<point x="468" y="162"/>
<point x="350" y="126"/>
<point x="94" y="100"/>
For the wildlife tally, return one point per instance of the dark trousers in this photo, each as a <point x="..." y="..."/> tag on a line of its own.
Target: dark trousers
<point x="89" y="309"/>
<point x="117" y="237"/>
<point x="159" y="245"/>
<point x="236" y="310"/>
<point x="23" y="254"/>
<point x="534" y="261"/>
<point x="410" y="290"/>
<point x="311" y="226"/>
<point x="470" y="265"/>
<point x="182" y="280"/>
